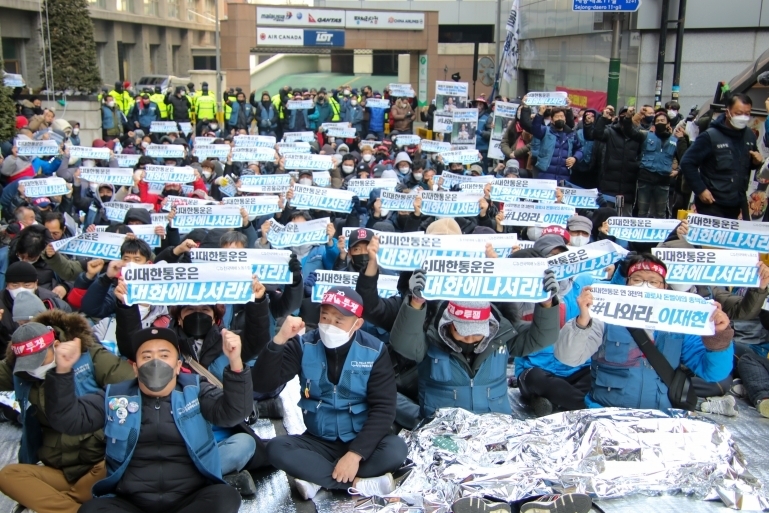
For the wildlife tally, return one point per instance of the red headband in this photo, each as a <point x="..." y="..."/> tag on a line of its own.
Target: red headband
<point x="647" y="266"/>
<point x="557" y="230"/>
<point x="341" y="301"/>
<point x="35" y="345"/>
<point x="468" y="313"/>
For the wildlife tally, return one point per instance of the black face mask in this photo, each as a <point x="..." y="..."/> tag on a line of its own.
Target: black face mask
<point x="661" y="130"/>
<point x="648" y="120"/>
<point x="155" y="375"/>
<point x="197" y="324"/>
<point x="360" y="262"/>
<point x="105" y="199"/>
<point x="559" y="124"/>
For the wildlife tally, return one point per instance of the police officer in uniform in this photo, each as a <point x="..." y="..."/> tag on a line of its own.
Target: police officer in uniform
<point x="161" y="454"/>
<point x="160" y="100"/>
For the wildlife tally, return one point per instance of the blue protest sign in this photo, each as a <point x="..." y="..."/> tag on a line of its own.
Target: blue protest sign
<point x="712" y="267"/>
<point x="516" y="189"/>
<point x="400" y="252"/>
<point x="633" y="229"/>
<point x="298" y="234"/>
<point x="207" y="216"/>
<point x="450" y="204"/>
<point x="594" y="257"/>
<point x="728" y="233"/>
<point x="397" y="202"/>
<point x="319" y="198"/>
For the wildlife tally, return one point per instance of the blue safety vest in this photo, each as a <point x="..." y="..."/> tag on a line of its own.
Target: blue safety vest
<point x="336" y="412"/>
<point x="657" y="156"/>
<point x="444" y="382"/>
<point x="31" y="432"/>
<point x="121" y="439"/>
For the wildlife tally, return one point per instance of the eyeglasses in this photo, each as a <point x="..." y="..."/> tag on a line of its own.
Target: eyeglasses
<point x="636" y="282"/>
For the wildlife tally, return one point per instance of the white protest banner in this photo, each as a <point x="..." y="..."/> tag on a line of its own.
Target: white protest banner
<point x="407" y="139"/>
<point x="520" y="213"/>
<point x="450" y="95"/>
<point x="207" y="216"/>
<point x="299" y="136"/>
<point x="212" y="151"/>
<point x="728" y="233"/>
<point x="473" y="187"/>
<point x="178" y="201"/>
<point x="168" y="174"/>
<point x="401" y="90"/>
<point x="504" y="114"/>
<point x="342" y="133"/>
<point x="146" y="232"/>
<point x="157" y="188"/>
<point x="298" y="234"/>
<point x="321" y="178"/>
<point x="551" y="98"/>
<point x="116" y="210"/>
<point x="368" y="142"/>
<point x="307" y="161"/>
<point x="378" y="103"/>
<point x="188" y="284"/>
<point x="362" y="187"/>
<point x="93" y="245"/>
<point x="124" y="160"/>
<point x="159" y="219"/>
<point x="270" y="265"/>
<point x="430" y="146"/>
<point x="580" y="198"/>
<point x="447" y="180"/>
<point x="319" y="198"/>
<point x="254" y="141"/>
<point x="464" y="126"/>
<point x="163" y="127"/>
<point x="347" y="230"/>
<point x="201" y="140"/>
<point x="165" y="151"/>
<point x="185" y="127"/>
<point x="300" y="104"/>
<point x="596" y="256"/>
<point x="37" y="148"/>
<point x="653" y="309"/>
<point x="87" y="152"/>
<point x="256" y="206"/>
<point x="265" y="183"/>
<point x="294" y="147"/>
<point x="516" y="189"/>
<point x="450" y="204"/>
<point x="461" y="157"/>
<point x="717" y="268"/>
<point x="485" y="279"/>
<point x="336" y="124"/>
<point x="633" y="229"/>
<point x="402" y="252"/>
<point x="387" y="286"/>
<point x="44" y="187"/>
<point x="502" y="243"/>
<point x="397" y="201"/>
<point x="253" y="155"/>
<point x="442" y="123"/>
<point x="111" y="175"/>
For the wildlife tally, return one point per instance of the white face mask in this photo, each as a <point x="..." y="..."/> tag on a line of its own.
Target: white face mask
<point x="305" y="181"/>
<point x="207" y="174"/>
<point x="534" y="232"/>
<point x="333" y="337"/>
<point x="348" y="169"/>
<point x="16" y="292"/>
<point x="110" y="104"/>
<point x="367" y="157"/>
<point x="739" y="122"/>
<point x="417" y="176"/>
<point x="404" y="170"/>
<point x="672" y="113"/>
<point x="680" y="287"/>
<point x="40" y="372"/>
<point x="75" y="131"/>
<point x="579" y="240"/>
<point x="353" y="102"/>
<point x="89" y="163"/>
<point x="145" y="144"/>
<point x="183" y="93"/>
<point x="213" y="126"/>
<point x="547" y="122"/>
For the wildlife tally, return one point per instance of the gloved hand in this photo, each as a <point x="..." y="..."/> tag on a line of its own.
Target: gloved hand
<point x="550" y="284"/>
<point x="417" y="283"/>
<point x="355" y="204"/>
<point x="296" y="268"/>
<point x="309" y="282"/>
<point x="601" y="201"/>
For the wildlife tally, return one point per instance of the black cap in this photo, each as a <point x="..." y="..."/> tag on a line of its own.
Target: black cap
<point x="360" y="235"/>
<point x="344" y="299"/>
<point x="142" y="336"/>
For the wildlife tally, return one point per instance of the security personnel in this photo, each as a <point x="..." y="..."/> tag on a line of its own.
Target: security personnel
<point x="348" y="399"/>
<point x="122" y="98"/>
<point x="229" y="96"/>
<point x="335" y="108"/>
<point x="161" y="455"/>
<point x="462" y="355"/>
<point x="205" y="104"/>
<point x="160" y="100"/>
<point x="192" y="95"/>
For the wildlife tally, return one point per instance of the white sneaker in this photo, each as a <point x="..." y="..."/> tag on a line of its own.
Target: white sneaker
<point x="306" y="489"/>
<point x="374" y="486"/>
<point x="724" y="405"/>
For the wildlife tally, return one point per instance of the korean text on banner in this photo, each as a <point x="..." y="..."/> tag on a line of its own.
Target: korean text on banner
<point x="111" y="175"/>
<point x="442" y="123"/>
<point x="580" y="198"/>
<point x="168" y="174"/>
<point x="127" y="161"/>
<point x="400" y="252"/>
<point x="256" y="206"/>
<point x="536" y="214"/>
<point x="341" y="132"/>
<point x="464" y="127"/>
<point x="265" y="183"/>
<point x="37" y="148"/>
<point x="450" y="95"/>
<point x="450" y="204"/>
<point x="87" y="152"/>
<point x="362" y="187"/>
<point x="516" y="189"/>
<point x="318" y="198"/>
<point x="163" y="127"/>
<point x="728" y="233"/>
<point x="92" y="245"/>
<point x="401" y="90"/>
<point x="300" y="104"/>
<point x="377" y="103"/>
<point x="177" y="201"/>
<point x="321" y="178"/>
<point x="298" y="234"/>
<point x="146" y="232"/>
<point x="200" y="140"/>
<point x="207" y="216"/>
<point x="717" y="268"/>
<point x="387" y="286"/>
<point x="299" y="136"/>
<point x="165" y="151"/>
<point x="502" y="243"/>
<point x="44" y="187"/>
<point x="461" y="157"/>
<point x="116" y="210"/>
<point x="157" y="188"/>
<point x="596" y="256"/>
<point x="188" y="284"/>
<point x="270" y="265"/>
<point x="551" y="98"/>
<point x="448" y="179"/>
<point x="397" y="201"/>
<point x="254" y="141"/>
<point x="407" y="139"/>
<point x="347" y="231"/>
<point x="634" y="229"/>
<point x="250" y="154"/>
<point x="504" y="113"/>
<point x="429" y="146"/>
<point x="485" y="279"/>
<point x="214" y="151"/>
<point x="653" y="309"/>
<point x="307" y="161"/>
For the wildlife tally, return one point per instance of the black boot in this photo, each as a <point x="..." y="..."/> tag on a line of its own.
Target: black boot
<point x="242" y="482"/>
<point x="270" y="409"/>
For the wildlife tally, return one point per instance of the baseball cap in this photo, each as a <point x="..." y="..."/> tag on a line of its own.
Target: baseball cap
<point x="579" y="224"/>
<point x="470" y="317"/>
<point x="344" y="299"/>
<point x="30" y="344"/>
<point x="557" y="230"/>
<point x="547" y="243"/>
<point x="42" y="202"/>
<point x="360" y="235"/>
<point x="147" y="334"/>
<point x="26" y="306"/>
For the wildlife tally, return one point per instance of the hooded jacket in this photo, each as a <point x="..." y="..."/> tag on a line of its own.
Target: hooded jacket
<point x="622" y="156"/>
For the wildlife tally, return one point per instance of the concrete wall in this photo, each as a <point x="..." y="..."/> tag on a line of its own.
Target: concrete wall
<point x="86" y="113"/>
<point x="281" y="65"/>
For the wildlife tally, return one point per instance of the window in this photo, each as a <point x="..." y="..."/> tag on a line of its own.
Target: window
<point x="101" y="48"/>
<point x="125" y="5"/>
<point x="204" y="62"/>
<point x="466" y="33"/>
<point x="211" y="8"/>
<point x="154" y="53"/>
<point x="151" y="7"/>
<point x="175" y="51"/>
<point x="11" y="59"/>
<point x="173" y="9"/>
<point x="192" y="9"/>
<point x="101" y="4"/>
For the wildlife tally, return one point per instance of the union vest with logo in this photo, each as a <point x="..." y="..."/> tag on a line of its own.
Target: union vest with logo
<point x="336" y="412"/>
<point x="657" y="155"/>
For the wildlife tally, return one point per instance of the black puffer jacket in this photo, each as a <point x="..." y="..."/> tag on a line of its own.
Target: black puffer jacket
<point x="622" y="156"/>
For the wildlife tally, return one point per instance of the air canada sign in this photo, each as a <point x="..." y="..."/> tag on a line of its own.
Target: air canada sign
<point x="280" y="37"/>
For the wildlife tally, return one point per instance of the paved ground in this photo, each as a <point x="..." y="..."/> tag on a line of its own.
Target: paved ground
<point x="331" y="80"/>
